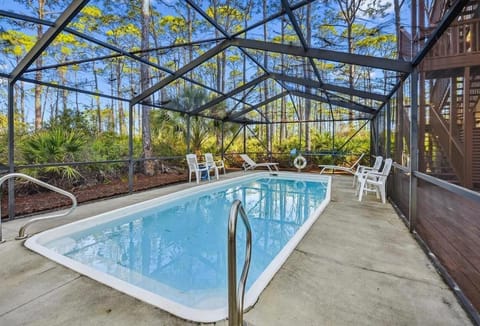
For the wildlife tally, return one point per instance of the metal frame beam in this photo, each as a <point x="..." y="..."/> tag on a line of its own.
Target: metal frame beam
<point x="343" y="104"/>
<point x="229" y="37"/>
<point x="182" y="71"/>
<point x="348" y="58"/>
<point x="235" y="91"/>
<point x="133" y="53"/>
<point x="299" y="33"/>
<point x="111" y="47"/>
<point x="269" y="100"/>
<point x="340" y="89"/>
<point x="308" y="121"/>
<point x="62" y="21"/>
<point x="272" y="17"/>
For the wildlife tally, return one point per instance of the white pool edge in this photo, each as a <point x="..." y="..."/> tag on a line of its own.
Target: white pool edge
<point x="35" y="243"/>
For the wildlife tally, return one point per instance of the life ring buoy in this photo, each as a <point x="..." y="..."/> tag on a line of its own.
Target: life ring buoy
<point x="300" y="162"/>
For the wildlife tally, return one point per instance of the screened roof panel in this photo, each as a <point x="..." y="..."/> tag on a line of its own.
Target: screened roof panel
<point x="283" y="63"/>
<point x="119" y="24"/>
<point x="16" y="39"/>
<point x="222" y="109"/>
<point x="239" y="15"/>
<point x="189" y="46"/>
<point x="274" y="32"/>
<point x="365" y="79"/>
<point x="119" y="76"/>
<point x="371" y="22"/>
<point x="182" y="96"/>
<point x="50" y="11"/>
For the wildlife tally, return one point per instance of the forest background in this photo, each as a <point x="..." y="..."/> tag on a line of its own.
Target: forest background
<point x="62" y="126"/>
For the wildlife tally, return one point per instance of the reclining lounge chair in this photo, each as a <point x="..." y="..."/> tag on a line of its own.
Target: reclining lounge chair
<point x="349" y="169"/>
<point x="251" y="164"/>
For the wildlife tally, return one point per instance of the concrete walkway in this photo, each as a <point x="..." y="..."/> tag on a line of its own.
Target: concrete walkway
<point x="358" y="265"/>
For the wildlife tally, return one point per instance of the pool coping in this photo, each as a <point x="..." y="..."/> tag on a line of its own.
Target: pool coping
<point x="199" y="315"/>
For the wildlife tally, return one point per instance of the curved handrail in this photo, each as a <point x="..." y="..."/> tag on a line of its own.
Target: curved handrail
<point x="236" y="295"/>
<point x="21" y="232"/>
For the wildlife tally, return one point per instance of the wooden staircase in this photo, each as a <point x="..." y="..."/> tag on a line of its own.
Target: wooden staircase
<point x="444" y="133"/>
<point x="452" y="73"/>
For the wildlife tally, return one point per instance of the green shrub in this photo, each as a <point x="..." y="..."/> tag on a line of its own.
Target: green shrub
<point x="54" y="146"/>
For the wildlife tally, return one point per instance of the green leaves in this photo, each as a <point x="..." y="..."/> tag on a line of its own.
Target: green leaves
<point x="16" y="43"/>
<point x="54" y="146"/>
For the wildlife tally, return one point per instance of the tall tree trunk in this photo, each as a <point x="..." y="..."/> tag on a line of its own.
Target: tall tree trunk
<point x="121" y="114"/>
<point x="268" y="128"/>
<point x="22" y="101"/>
<point x="283" y="107"/>
<point x="218" y="57"/>
<point x="149" y="166"/>
<point x="308" y="102"/>
<point x="97" y="99"/>
<point x="38" y="73"/>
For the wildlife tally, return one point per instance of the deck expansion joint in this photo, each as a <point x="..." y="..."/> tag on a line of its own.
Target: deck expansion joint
<point x="313" y="255"/>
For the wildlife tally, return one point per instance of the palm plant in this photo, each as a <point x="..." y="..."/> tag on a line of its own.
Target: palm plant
<point x="190" y="99"/>
<point x="54" y="146"/>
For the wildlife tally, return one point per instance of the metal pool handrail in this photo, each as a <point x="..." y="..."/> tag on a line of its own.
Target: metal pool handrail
<point x="21" y="232"/>
<point x="236" y="295"/>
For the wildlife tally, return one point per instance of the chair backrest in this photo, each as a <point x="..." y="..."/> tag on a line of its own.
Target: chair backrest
<point x="247" y="159"/>
<point x="386" y="168"/>
<point x="209" y="159"/>
<point x="378" y="163"/>
<point x="192" y="161"/>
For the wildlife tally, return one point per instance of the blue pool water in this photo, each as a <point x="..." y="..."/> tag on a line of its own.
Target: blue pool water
<point x="178" y="249"/>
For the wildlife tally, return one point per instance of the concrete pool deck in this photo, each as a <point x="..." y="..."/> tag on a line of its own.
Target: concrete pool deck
<point x="358" y="265"/>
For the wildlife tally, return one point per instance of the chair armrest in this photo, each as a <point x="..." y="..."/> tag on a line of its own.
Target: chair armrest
<point x="373" y="174"/>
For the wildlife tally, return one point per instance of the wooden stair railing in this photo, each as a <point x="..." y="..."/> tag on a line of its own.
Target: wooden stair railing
<point x="449" y="145"/>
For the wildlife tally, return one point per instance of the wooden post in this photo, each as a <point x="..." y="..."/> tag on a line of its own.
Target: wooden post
<point x="421" y="123"/>
<point x="188" y="134"/>
<point x="468" y="122"/>
<point x="388" y="149"/>
<point x="130" y="148"/>
<point x="453" y="113"/>
<point x="11" y="150"/>
<point x="413" y="150"/>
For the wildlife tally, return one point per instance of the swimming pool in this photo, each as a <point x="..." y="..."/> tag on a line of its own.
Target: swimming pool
<point x="171" y="251"/>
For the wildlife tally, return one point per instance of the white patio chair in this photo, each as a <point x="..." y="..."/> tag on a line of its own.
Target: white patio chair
<point x="362" y="169"/>
<point x="251" y="164"/>
<point x="214" y="165"/>
<point x="197" y="168"/>
<point x="376" y="181"/>
<point x="349" y="169"/>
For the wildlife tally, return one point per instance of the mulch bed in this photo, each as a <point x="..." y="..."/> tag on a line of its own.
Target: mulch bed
<point x="26" y="204"/>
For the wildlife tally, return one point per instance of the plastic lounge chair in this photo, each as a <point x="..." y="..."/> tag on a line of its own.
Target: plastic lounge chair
<point x="362" y="169"/>
<point x="251" y="164"/>
<point x="214" y="165"/>
<point x="197" y="168"/>
<point x="376" y="181"/>
<point x="350" y="169"/>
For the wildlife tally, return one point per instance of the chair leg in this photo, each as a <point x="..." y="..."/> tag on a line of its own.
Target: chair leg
<point x="362" y="189"/>
<point x="197" y="175"/>
<point x="189" y="176"/>
<point x="383" y="193"/>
